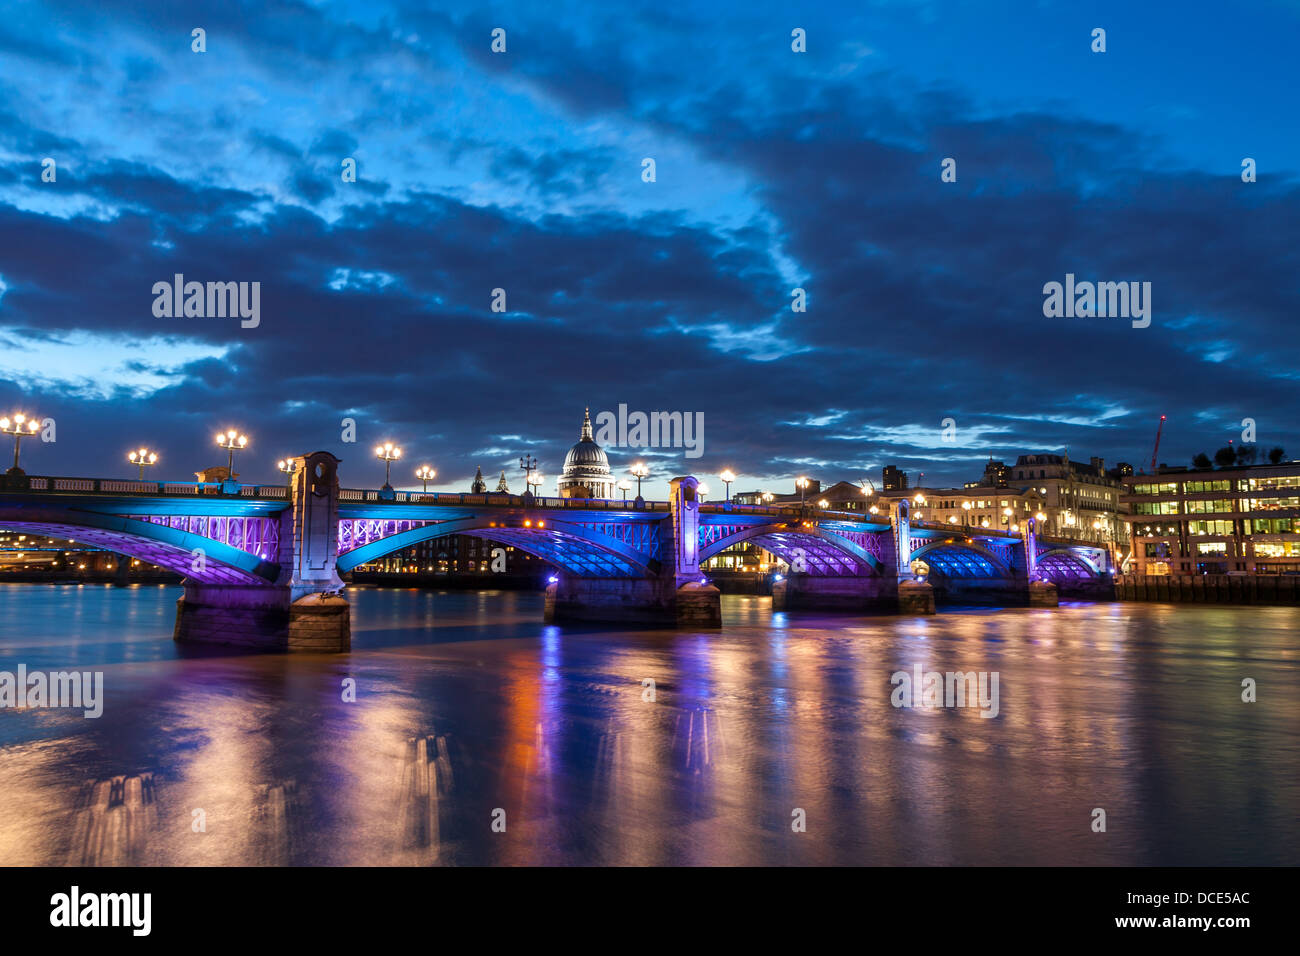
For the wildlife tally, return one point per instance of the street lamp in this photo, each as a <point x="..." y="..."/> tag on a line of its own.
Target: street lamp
<point x="387" y="453"/>
<point x="728" y="476"/>
<point x="426" y="475"/>
<point x="230" y="440"/>
<point x="528" y="464"/>
<point x="823" y="504"/>
<point x="285" y="465"/>
<point x="1006" y="516"/>
<point x="965" y="509"/>
<point x="21" y="427"/>
<point x="535" y="479"/>
<point x="701" y="489"/>
<point x="141" y="458"/>
<point x="639" y="471"/>
<point x="768" y="497"/>
<point x="625" y="486"/>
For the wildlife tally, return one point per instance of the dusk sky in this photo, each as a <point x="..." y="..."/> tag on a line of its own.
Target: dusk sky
<point x="523" y="171"/>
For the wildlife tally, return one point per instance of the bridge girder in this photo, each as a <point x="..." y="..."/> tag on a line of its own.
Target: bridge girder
<point x="571" y="546"/>
<point x="175" y="549"/>
<point x="824" y="551"/>
<point x="962" y="559"/>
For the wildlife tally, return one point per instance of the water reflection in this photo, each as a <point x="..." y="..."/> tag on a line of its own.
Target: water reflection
<point x="467" y="705"/>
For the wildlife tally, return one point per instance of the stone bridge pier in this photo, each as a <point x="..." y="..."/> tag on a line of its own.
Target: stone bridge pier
<point x="676" y="595"/>
<point x="304" y="609"/>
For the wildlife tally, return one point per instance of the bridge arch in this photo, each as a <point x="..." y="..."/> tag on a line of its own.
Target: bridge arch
<point x="158" y="544"/>
<point x="827" y="552"/>
<point x="567" y="545"/>
<point x="962" y="559"/>
<point x="1063" y="563"/>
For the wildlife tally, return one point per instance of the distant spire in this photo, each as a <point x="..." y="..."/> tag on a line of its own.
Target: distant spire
<point x="586" y="426"/>
<point x="479" y="485"/>
<point x="501" y="485"/>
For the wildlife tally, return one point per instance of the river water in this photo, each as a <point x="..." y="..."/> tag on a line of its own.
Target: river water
<point x="772" y="741"/>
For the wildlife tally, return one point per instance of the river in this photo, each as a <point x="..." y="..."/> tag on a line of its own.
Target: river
<point x="479" y="735"/>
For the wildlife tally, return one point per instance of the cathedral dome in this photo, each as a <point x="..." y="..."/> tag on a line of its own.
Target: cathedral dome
<point x="586" y="468"/>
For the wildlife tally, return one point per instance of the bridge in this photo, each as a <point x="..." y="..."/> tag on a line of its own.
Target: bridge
<point x="262" y="563"/>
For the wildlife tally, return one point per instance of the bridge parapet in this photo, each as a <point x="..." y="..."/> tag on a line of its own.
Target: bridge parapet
<point x="117" y="486"/>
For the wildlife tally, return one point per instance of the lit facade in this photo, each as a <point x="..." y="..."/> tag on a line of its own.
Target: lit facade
<point x="1243" y="520"/>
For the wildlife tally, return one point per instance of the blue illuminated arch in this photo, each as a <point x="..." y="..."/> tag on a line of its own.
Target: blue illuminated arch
<point x="572" y="547"/>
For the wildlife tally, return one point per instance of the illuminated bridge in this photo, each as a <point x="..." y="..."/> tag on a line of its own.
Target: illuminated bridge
<point x="262" y="562"/>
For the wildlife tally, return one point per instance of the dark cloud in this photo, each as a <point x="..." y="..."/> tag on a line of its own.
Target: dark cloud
<point x="925" y="298"/>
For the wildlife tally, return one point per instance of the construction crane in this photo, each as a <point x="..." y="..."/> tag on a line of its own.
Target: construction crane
<point x="1156" y="450"/>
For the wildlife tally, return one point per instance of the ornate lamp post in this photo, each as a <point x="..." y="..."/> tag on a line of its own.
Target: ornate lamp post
<point x="231" y="440"/>
<point x="528" y="464"/>
<point x="425" y="474"/>
<point x="20" y="427"/>
<point x="639" y="471"/>
<point x="534" y="479"/>
<point x="625" y="486"/>
<point x="387" y="453"/>
<point x="701" y="489"/>
<point x="728" y="476"/>
<point x="286" y="465"/>
<point x="965" y="513"/>
<point x="141" y="458"/>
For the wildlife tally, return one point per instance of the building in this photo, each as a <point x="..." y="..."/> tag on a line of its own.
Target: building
<point x="1080" y="501"/>
<point x="586" y="468"/>
<point x="975" y="506"/>
<point x="995" y="475"/>
<point x="1069" y="499"/>
<point x="1235" y="520"/>
<point x="892" y="479"/>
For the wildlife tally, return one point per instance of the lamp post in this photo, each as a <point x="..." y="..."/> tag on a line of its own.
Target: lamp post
<point x="20" y="427"/>
<point x="639" y="471"/>
<point x="425" y="474"/>
<point x="1006" y="516"/>
<point x="625" y="486"/>
<point x="535" y="479"/>
<point x="231" y="440"/>
<point x="965" y="513"/>
<point x="141" y="458"/>
<point x="768" y="497"/>
<point x="802" y="484"/>
<point x="528" y="464"/>
<point x="728" y="476"/>
<point x="701" y="489"/>
<point x="286" y="465"/>
<point x="387" y="453"/>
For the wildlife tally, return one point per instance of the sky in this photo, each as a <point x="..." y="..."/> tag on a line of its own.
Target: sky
<point x="522" y="170"/>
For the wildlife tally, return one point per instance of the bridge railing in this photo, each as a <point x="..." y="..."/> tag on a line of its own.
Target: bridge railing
<point x="118" y="486"/>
